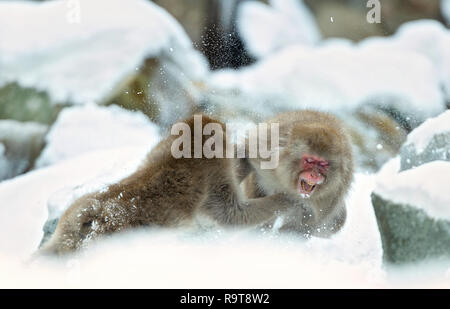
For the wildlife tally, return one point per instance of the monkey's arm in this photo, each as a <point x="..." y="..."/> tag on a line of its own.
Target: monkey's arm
<point x="332" y="222"/>
<point x="226" y="204"/>
<point x="243" y="168"/>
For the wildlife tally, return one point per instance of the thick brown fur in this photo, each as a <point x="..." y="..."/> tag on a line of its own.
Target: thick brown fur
<point x="165" y="192"/>
<point x="313" y="133"/>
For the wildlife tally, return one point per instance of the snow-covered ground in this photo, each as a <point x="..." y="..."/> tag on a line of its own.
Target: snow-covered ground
<point x="180" y="258"/>
<point x="286" y="261"/>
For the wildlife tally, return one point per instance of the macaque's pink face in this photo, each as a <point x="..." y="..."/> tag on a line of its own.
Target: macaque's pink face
<point x="313" y="172"/>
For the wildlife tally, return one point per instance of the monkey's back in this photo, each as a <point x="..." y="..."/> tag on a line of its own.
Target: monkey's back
<point x="164" y="191"/>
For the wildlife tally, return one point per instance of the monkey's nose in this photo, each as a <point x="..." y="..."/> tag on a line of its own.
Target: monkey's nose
<point x="315" y="177"/>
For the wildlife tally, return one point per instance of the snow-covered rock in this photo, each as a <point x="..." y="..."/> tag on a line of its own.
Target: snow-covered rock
<point x="426" y="37"/>
<point x="79" y="53"/>
<point x="81" y="129"/>
<point x="26" y="105"/>
<point x="267" y="28"/>
<point x="429" y="142"/>
<point x="338" y="77"/>
<point x="406" y="71"/>
<point x="20" y="145"/>
<point x="411" y="197"/>
<point x="425" y="187"/>
<point x="445" y="10"/>
<point x="403" y="79"/>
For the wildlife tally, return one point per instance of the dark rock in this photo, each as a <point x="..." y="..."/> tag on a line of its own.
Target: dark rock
<point x="408" y="234"/>
<point x="437" y="149"/>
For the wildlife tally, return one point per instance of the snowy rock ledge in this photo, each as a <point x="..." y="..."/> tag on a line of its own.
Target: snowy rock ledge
<point x="429" y="142"/>
<point x="411" y="199"/>
<point x="87" y="128"/>
<point x="77" y="54"/>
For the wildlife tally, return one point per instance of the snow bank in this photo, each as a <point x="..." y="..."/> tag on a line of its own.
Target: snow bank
<point x="338" y="77"/>
<point x="426" y="37"/>
<point x="23" y="200"/>
<point x="218" y="258"/>
<point x="424" y="187"/>
<point x="162" y="260"/>
<point x="80" y="52"/>
<point x="408" y="71"/>
<point x="421" y="136"/>
<point x="267" y="28"/>
<point x="87" y="128"/>
<point x="182" y="258"/>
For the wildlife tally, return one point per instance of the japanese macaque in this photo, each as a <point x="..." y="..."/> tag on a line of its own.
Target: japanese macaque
<point x="315" y="169"/>
<point x="166" y="191"/>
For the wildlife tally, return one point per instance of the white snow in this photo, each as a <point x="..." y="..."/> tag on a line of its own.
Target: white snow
<point x="421" y="136"/>
<point x="337" y="77"/>
<point x="81" y="129"/>
<point x="190" y="258"/>
<point x="24" y="198"/>
<point x="426" y="37"/>
<point x="355" y="251"/>
<point x="424" y="187"/>
<point x="79" y="53"/>
<point x="267" y="28"/>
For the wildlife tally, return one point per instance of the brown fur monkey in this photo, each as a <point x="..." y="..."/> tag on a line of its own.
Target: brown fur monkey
<point x="315" y="168"/>
<point x="166" y="192"/>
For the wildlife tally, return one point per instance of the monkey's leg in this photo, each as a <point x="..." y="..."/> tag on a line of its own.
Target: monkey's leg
<point x="308" y="221"/>
<point x="298" y="221"/>
<point x="251" y="188"/>
<point x="331" y="222"/>
<point x="74" y="227"/>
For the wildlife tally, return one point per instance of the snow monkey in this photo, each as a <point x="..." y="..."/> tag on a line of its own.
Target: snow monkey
<point x="166" y="191"/>
<point x="315" y="168"/>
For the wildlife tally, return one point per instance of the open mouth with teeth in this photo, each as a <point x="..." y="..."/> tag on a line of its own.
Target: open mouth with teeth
<point x="306" y="188"/>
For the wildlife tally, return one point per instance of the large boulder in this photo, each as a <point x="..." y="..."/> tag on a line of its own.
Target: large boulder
<point x="411" y="200"/>
<point x="429" y="143"/>
<point x="141" y="59"/>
